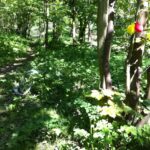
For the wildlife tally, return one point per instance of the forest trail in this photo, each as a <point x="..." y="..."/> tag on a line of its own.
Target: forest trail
<point x="12" y="67"/>
<point x="19" y="62"/>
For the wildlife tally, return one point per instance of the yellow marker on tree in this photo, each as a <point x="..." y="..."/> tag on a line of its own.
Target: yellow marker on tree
<point x="131" y="29"/>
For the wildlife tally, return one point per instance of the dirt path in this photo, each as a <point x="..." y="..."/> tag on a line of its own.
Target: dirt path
<point x="17" y="63"/>
<point x="20" y="62"/>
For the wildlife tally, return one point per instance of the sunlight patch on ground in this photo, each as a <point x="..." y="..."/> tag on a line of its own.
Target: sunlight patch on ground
<point x="53" y="114"/>
<point x="2" y="75"/>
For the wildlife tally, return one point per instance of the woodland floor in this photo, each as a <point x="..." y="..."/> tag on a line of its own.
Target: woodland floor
<point x="59" y="80"/>
<point x="7" y="72"/>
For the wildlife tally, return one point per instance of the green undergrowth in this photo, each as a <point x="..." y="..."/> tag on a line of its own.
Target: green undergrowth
<point x="11" y="48"/>
<point x="54" y="101"/>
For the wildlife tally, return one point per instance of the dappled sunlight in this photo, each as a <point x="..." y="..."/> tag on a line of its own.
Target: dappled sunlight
<point x="74" y="75"/>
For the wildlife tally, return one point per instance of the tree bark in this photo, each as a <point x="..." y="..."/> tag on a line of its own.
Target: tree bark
<point x="102" y="23"/>
<point x="73" y="5"/>
<point x="107" y="46"/>
<point x="144" y="121"/>
<point x="105" y="30"/>
<point x="134" y="58"/>
<point x="46" y="6"/>
<point x="89" y="32"/>
<point x="148" y="83"/>
<point x="82" y="29"/>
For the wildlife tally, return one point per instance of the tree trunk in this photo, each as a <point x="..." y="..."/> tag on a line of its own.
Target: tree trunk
<point x="107" y="46"/>
<point x="134" y="58"/>
<point x="102" y="23"/>
<point x="73" y="31"/>
<point x="46" y="6"/>
<point x="89" y="25"/>
<point x="148" y="83"/>
<point x="105" y="30"/>
<point x="73" y="5"/>
<point x="89" y="33"/>
<point x="144" y="121"/>
<point x="57" y="30"/>
<point x="82" y="29"/>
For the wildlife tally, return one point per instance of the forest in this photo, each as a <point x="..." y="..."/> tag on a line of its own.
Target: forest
<point x="74" y="75"/>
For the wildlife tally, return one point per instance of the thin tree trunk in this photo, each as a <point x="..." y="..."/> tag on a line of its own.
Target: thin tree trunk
<point x="89" y="32"/>
<point x="107" y="46"/>
<point x="148" y="83"/>
<point x="73" y="31"/>
<point x="73" y="21"/>
<point x="54" y="31"/>
<point x="46" y="22"/>
<point x="105" y="33"/>
<point x="134" y="59"/>
<point x="57" y="30"/>
<point x="82" y="29"/>
<point x="89" y="25"/>
<point x="144" y="121"/>
<point x="102" y="23"/>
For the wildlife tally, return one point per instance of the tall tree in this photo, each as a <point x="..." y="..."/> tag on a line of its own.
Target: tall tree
<point x="148" y="83"/>
<point x="105" y="30"/>
<point x="135" y="55"/>
<point x="46" y="9"/>
<point x="58" y="14"/>
<point x="72" y="5"/>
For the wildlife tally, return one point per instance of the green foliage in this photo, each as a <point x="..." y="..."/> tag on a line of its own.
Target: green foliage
<point x="108" y="127"/>
<point x="12" y="47"/>
<point x="53" y="100"/>
<point x="45" y="97"/>
<point x="55" y="106"/>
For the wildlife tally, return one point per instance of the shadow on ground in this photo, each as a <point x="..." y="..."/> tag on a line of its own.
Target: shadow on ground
<point x="54" y="101"/>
